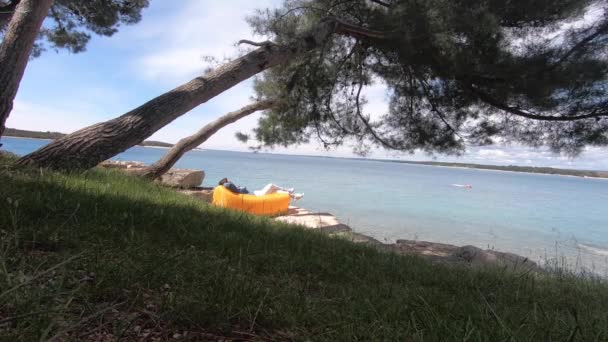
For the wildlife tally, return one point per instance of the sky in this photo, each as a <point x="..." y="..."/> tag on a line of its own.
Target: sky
<point x="64" y="92"/>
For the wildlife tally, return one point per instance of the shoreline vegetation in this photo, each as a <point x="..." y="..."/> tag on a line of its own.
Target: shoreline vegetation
<point x="488" y="167"/>
<point x="20" y="133"/>
<point x="107" y="256"/>
<point x="514" y="168"/>
<point x="15" y="133"/>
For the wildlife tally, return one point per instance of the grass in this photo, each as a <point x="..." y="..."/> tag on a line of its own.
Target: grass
<point x="103" y="255"/>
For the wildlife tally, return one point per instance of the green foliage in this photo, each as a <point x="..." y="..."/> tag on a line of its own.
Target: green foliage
<point x="242" y="137"/>
<point x="101" y="254"/>
<point x="458" y="73"/>
<point x="12" y="132"/>
<point x="70" y="23"/>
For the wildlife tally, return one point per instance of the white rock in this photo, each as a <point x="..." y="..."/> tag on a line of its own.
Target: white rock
<point x="183" y="178"/>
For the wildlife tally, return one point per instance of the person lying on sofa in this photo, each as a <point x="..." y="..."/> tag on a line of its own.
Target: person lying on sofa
<point x="268" y="189"/>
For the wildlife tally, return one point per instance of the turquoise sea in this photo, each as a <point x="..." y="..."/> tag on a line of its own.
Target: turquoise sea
<point x="539" y="216"/>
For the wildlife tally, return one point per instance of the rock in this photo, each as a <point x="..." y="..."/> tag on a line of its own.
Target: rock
<point x="336" y="228"/>
<point x="206" y="195"/>
<point x="465" y="255"/>
<point x="471" y="253"/>
<point x="178" y="178"/>
<point x="424" y="248"/>
<point x="364" y="239"/>
<point x="121" y="164"/>
<point x="478" y="257"/>
<point x="183" y="178"/>
<point x="308" y="219"/>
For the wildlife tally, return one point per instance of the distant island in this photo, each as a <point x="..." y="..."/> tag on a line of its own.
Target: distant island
<point x="512" y="168"/>
<point x="152" y="143"/>
<point x="20" y="133"/>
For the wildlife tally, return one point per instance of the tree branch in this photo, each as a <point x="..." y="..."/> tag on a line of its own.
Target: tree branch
<point x="329" y="95"/>
<point x="326" y="144"/>
<point x="516" y="111"/>
<point x="601" y="30"/>
<point x="369" y="126"/>
<point x="427" y="92"/>
<point x="259" y="44"/>
<point x="186" y="144"/>
<point x="363" y="119"/>
<point x="348" y="29"/>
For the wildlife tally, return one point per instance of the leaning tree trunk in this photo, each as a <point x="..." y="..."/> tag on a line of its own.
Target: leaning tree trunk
<point x="184" y="145"/>
<point x="15" y="50"/>
<point x="89" y="146"/>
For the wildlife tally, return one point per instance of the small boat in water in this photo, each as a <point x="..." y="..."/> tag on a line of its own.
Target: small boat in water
<point x="468" y="186"/>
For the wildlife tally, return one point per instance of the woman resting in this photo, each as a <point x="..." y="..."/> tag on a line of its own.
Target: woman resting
<point x="268" y="189"/>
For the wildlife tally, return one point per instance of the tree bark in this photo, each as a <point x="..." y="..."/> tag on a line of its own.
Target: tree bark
<point x="186" y="144"/>
<point x="89" y="146"/>
<point x="15" y="50"/>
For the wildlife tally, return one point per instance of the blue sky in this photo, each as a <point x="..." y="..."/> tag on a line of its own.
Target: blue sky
<point x="64" y="92"/>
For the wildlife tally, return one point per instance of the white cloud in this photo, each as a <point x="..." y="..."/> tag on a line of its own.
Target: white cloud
<point x="377" y="100"/>
<point x="196" y="30"/>
<point x="170" y="65"/>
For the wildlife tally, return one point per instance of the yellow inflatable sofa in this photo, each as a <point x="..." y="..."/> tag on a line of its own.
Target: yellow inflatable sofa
<point x="272" y="204"/>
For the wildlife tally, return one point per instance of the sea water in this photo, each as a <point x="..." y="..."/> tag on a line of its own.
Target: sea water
<point x="535" y="215"/>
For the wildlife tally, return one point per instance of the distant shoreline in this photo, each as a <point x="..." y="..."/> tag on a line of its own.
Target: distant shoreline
<point x="151" y="146"/>
<point x="25" y="134"/>
<point x="12" y="136"/>
<point x="592" y="174"/>
<point x="548" y="171"/>
<point x="509" y="171"/>
<point x="554" y="171"/>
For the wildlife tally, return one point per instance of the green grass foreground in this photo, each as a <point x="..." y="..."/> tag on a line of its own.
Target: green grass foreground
<point x="104" y="254"/>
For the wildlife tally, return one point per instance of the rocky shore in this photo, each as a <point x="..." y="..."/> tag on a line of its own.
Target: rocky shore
<point x="188" y="182"/>
<point x="436" y="252"/>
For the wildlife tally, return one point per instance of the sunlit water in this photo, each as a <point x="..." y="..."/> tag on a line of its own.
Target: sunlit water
<point x="539" y="216"/>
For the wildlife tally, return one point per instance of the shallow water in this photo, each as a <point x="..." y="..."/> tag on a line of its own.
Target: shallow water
<point x="539" y="216"/>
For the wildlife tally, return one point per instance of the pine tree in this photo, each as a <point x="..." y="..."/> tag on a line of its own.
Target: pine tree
<point x="458" y="73"/>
